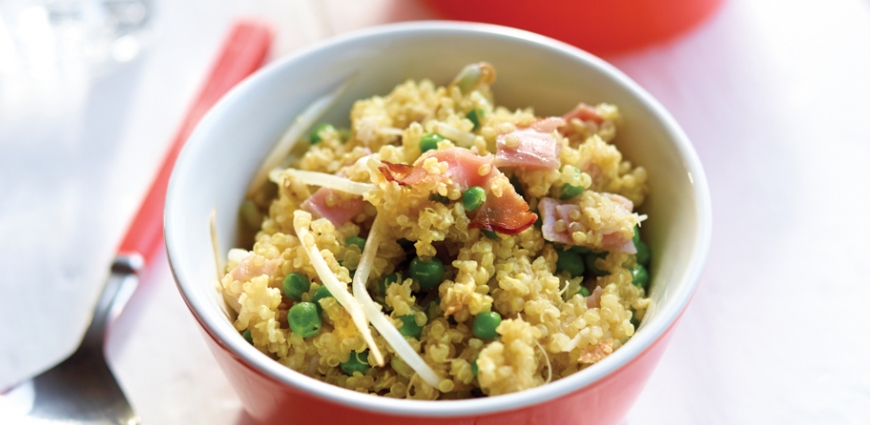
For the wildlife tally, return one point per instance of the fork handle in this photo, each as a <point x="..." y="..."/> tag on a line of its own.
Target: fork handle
<point x="120" y="286"/>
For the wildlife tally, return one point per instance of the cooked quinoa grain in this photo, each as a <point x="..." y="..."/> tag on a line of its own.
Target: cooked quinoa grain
<point x="447" y="247"/>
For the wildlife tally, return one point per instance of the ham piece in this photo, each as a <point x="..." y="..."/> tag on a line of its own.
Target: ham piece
<point x="552" y="211"/>
<point x="463" y="168"/>
<point x="530" y="148"/>
<point x="343" y="210"/>
<point x="548" y="125"/>
<point x="508" y="214"/>
<point x="247" y="268"/>
<point x="583" y="112"/>
<point x="594" y="299"/>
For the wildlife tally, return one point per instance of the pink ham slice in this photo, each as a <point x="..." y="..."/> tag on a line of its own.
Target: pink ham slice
<point x="583" y="112"/>
<point x="594" y="299"/>
<point x="537" y="148"/>
<point x="462" y="168"/>
<point x="616" y="242"/>
<point x="548" y="125"/>
<point x="552" y="210"/>
<point x="247" y="270"/>
<point x="508" y="214"/>
<point x="343" y="210"/>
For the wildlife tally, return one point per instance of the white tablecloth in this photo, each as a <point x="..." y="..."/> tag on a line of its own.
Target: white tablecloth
<point x="775" y="95"/>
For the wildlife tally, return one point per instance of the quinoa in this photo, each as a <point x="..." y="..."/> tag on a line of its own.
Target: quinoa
<point x="549" y="329"/>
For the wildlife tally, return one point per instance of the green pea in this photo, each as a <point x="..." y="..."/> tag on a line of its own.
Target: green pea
<point x="389" y="280"/>
<point x="410" y="326"/>
<point x="643" y="254"/>
<point x="315" y="136"/>
<point x="639" y="276"/>
<point x="304" y="319"/>
<point x="428" y="273"/>
<point x="321" y="293"/>
<point x="634" y="321"/>
<point x="294" y="285"/>
<point x="485" y="324"/>
<point x="474" y="116"/>
<point x="358" y="362"/>
<point x="570" y="191"/>
<point x="356" y="240"/>
<point x="473" y="198"/>
<point x="570" y="261"/>
<point x="489" y="233"/>
<point x="636" y="236"/>
<point x="247" y="336"/>
<point x="474" y="369"/>
<point x="584" y="291"/>
<point x="430" y="142"/>
<point x="592" y="267"/>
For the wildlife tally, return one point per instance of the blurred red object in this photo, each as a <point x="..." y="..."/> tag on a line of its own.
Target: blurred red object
<point x="598" y="26"/>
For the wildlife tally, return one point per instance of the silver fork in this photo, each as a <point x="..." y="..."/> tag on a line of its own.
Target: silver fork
<point x="82" y="389"/>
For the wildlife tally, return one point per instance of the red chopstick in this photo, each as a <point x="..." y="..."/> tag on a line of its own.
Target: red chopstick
<point x="243" y="53"/>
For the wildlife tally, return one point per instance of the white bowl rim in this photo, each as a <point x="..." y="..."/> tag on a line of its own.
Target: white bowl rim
<point x="640" y="342"/>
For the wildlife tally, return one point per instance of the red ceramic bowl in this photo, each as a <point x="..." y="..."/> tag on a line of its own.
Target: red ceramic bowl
<point x="599" y="26"/>
<point x="224" y="152"/>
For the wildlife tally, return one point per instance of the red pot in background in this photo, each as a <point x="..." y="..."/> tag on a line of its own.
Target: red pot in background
<point x="598" y="26"/>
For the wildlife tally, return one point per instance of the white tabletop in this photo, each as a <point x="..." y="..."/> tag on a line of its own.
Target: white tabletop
<point x="775" y="95"/>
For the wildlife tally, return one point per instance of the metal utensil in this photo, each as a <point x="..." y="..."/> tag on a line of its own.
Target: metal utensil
<point x="82" y="389"/>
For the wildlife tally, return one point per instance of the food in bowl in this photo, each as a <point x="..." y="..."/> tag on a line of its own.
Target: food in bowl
<point x="487" y="251"/>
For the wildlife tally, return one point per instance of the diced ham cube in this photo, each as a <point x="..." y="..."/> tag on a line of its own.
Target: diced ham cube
<point x="532" y="148"/>
<point x="594" y="299"/>
<point x="583" y="112"/>
<point x="334" y="206"/>
<point x="248" y="268"/>
<point x="548" y="125"/>
<point x="553" y="211"/>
